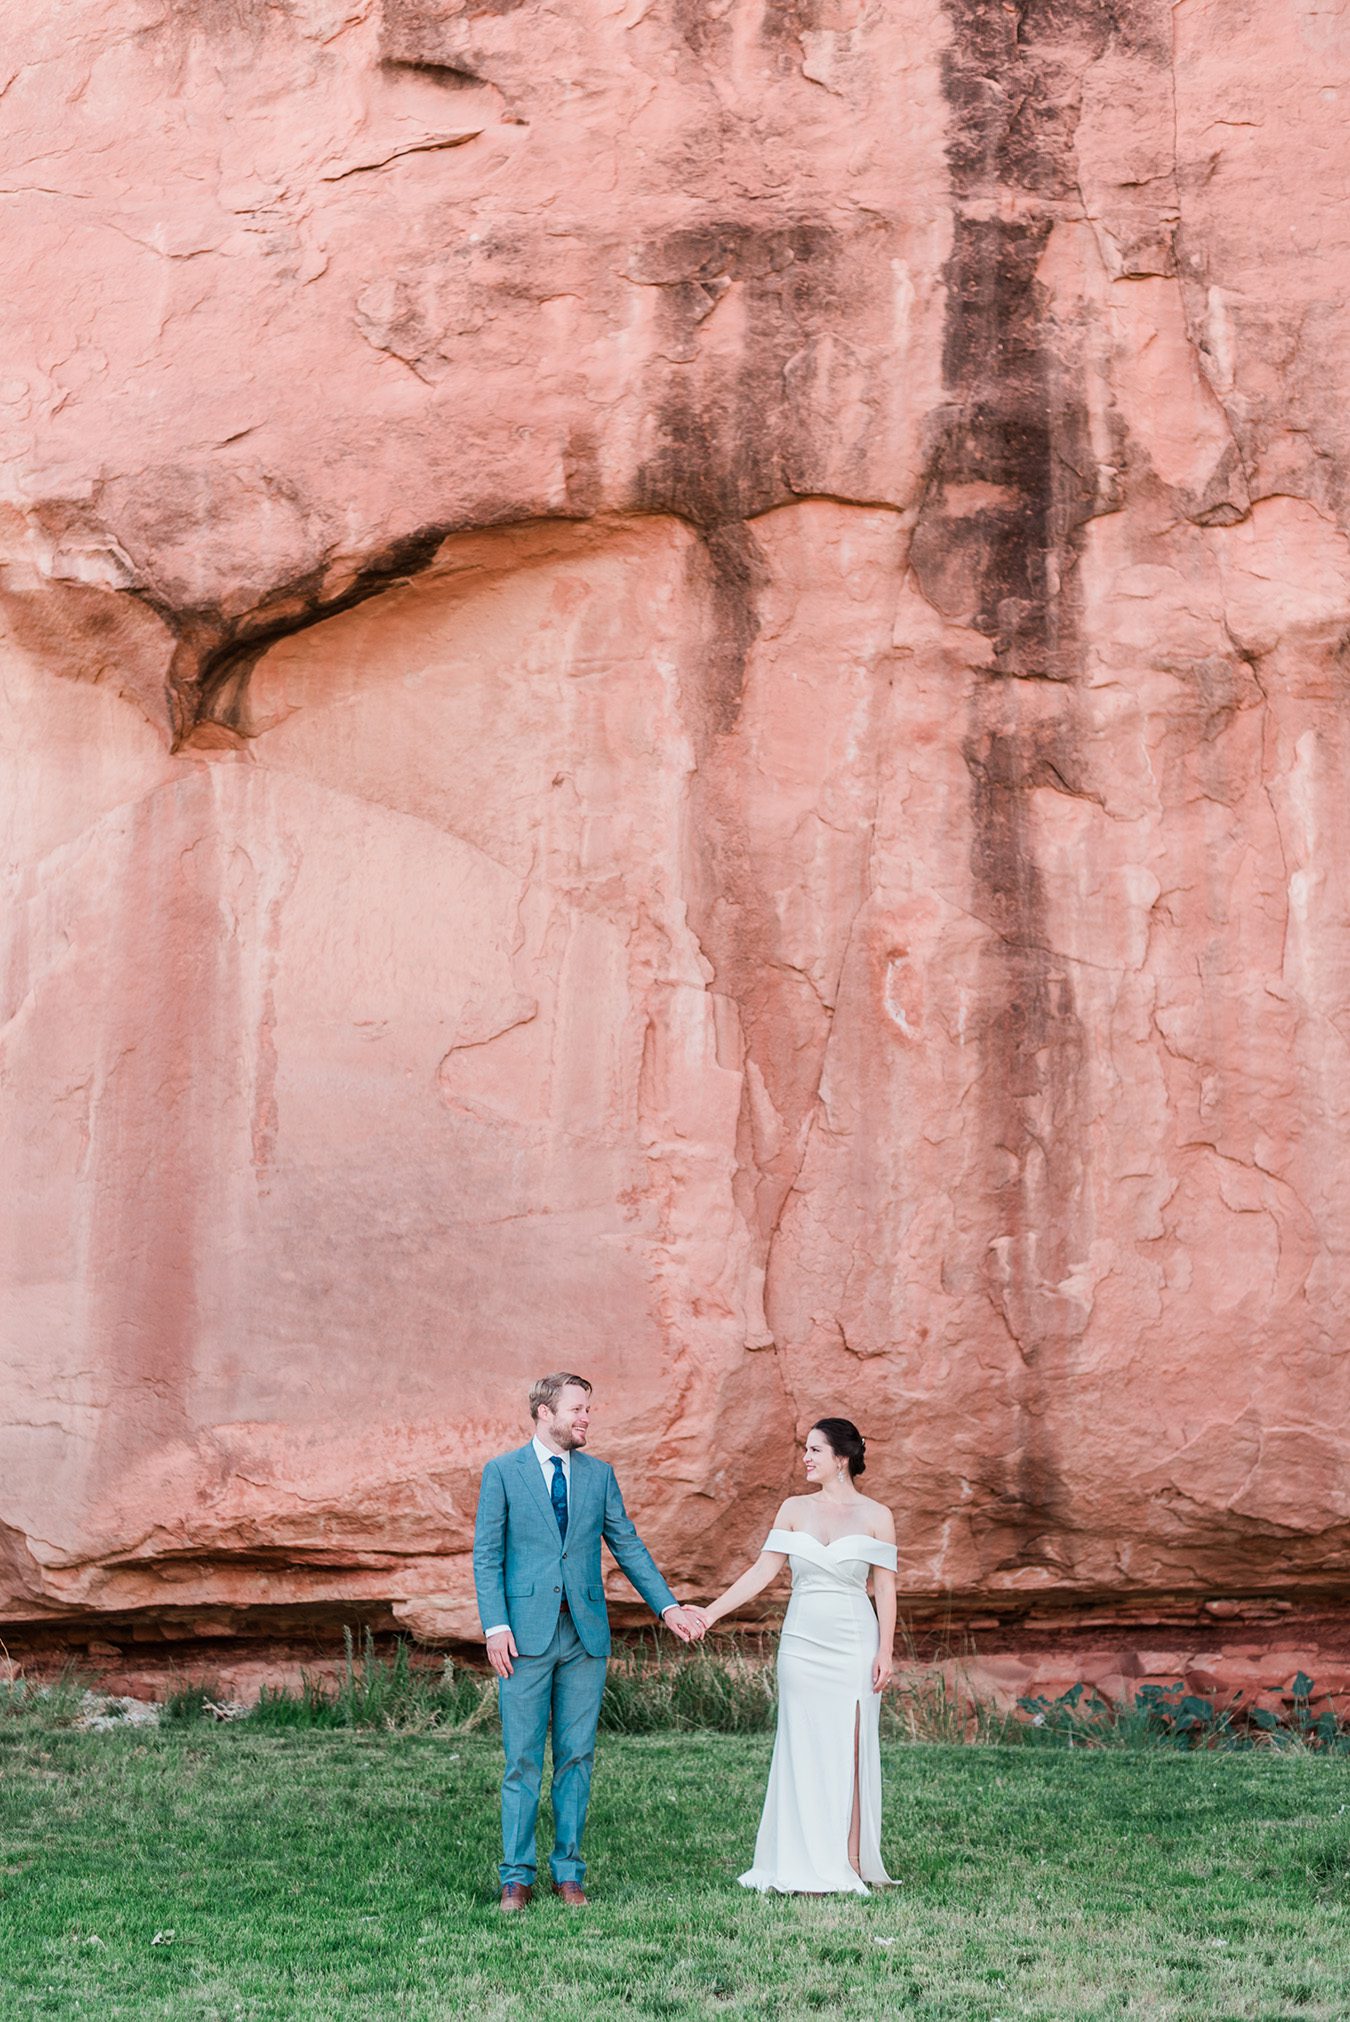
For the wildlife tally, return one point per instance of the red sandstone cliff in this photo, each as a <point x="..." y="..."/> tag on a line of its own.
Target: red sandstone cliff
<point x="675" y="703"/>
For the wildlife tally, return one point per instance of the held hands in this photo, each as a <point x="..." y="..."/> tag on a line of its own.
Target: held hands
<point x="501" y="1648"/>
<point x="883" y="1670"/>
<point x="686" y="1623"/>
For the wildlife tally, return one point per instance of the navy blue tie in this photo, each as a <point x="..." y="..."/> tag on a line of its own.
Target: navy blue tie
<point x="559" y="1494"/>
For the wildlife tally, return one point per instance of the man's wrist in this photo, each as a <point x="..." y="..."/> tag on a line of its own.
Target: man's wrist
<point x="675" y="1608"/>
<point x="500" y="1630"/>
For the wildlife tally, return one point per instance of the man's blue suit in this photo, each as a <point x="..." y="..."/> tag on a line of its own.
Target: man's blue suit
<point x="522" y="1570"/>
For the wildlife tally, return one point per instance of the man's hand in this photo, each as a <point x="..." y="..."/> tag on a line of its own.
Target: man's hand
<point x="686" y="1623"/>
<point x="501" y="1648"/>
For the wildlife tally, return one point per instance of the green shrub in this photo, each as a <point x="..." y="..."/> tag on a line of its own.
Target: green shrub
<point x="1168" y="1716"/>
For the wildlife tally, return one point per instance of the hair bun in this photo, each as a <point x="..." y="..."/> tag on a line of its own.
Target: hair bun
<point x="845" y="1440"/>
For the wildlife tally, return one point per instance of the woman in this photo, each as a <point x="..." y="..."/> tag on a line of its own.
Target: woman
<point x="820" y="1833"/>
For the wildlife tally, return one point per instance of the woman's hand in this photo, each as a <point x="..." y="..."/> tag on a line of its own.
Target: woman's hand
<point x="883" y="1670"/>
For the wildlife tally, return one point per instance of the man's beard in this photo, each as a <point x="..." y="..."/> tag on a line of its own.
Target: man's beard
<point x="571" y="1439"/>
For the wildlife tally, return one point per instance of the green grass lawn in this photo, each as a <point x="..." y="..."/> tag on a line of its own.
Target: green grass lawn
<point x="341" y="1875"/>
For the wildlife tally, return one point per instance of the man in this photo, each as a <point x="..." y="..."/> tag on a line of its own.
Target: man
<point x="542" y="1512"/>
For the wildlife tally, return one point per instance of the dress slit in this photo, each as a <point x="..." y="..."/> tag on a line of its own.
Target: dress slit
<point x="855" y="1815"/>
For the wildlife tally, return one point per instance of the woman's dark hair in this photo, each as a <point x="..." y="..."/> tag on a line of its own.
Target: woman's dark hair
<point x="844" y="1439"/>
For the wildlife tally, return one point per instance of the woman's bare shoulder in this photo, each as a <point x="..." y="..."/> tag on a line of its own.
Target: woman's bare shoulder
<point x="788" y="1510"/>
<point x="881" y="1519"/>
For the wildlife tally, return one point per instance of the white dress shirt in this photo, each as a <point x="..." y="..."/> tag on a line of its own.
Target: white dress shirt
<point x="546" y="1459"/>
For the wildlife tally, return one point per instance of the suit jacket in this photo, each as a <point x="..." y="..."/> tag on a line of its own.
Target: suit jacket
<point x="522" y="1569"/>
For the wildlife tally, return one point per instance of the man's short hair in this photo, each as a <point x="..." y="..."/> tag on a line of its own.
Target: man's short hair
<point x="550" y="1388"/>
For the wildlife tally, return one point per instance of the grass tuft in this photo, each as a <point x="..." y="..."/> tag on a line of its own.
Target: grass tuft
<point x="193" y="1700"/>
<point x="58" y="1703"/>
<point x="390" y="1694"/>
<point x="655" y="1688"/>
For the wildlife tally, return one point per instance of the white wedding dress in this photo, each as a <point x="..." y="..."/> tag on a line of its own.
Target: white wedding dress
<point x="826" y="1710"/>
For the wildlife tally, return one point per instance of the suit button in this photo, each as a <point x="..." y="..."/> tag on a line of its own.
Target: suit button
<point x="557" y="1590"/>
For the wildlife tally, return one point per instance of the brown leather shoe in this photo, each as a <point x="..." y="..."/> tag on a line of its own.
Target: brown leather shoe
<point x="515" y="1896"/>
<point x="572" y="1893"/>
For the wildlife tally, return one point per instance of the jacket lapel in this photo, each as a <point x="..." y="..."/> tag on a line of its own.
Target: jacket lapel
<point x="534" y="1481"/>
<point x="583" y="1480"/>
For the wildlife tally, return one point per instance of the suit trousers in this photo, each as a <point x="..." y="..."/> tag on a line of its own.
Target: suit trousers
<point x="561" y="1689"/>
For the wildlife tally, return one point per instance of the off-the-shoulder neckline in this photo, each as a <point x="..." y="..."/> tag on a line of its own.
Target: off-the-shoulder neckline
<point x="828" y="1545"/>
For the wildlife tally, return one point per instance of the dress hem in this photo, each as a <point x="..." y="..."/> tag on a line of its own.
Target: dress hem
<point x="764" y="1886"/>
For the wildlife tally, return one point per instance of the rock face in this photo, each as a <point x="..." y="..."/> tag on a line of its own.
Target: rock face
<point x="676" y="699"/>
